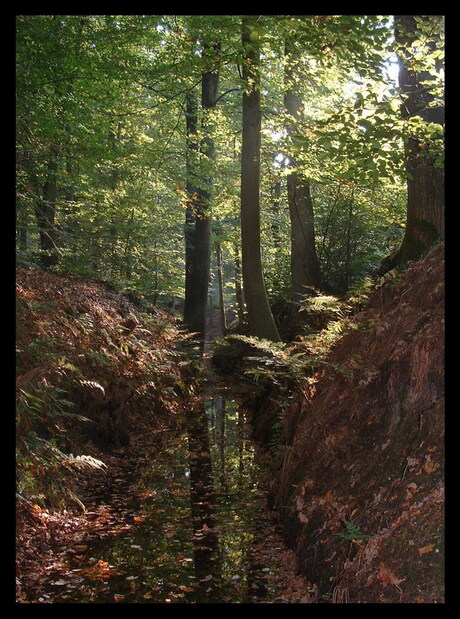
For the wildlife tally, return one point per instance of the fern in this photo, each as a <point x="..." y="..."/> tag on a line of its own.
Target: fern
<point x="326" y="306"/>
<point x="352" y="532"/>
<point x="276" y="363"/>
<point x="43" y="404"/>
<point x="266" y="346"/>
<point x="360" y="292"/>
<point x="82" y="462"/>
<point x="44" y="472"/>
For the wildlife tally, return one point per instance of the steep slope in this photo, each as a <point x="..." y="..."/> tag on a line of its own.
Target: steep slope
<point x="361" y="488"/>
<point x="90" y="366"/>
<point x="100" y="386"/>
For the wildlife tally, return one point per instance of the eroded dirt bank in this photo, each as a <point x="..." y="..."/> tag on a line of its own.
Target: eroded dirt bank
<point x="361" y="488"/>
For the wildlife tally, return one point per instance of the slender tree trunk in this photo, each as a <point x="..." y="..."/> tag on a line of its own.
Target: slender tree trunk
<point x="22" y="236"/>
<point x="305" y="269"/>
<point x="45" y="211"/>
<point x="276" y="214"/>
<point x="261" y="322"/>
<point x="191" y="116"/>
<point x="127" y="260"/>
<point x="348" y="247"/>
<point x="425" y="185"/>
<point x="155" y="278"/>
<point x="198" y="214"/>
<point x="220" y="281"/>
<point x="238" y="287"/>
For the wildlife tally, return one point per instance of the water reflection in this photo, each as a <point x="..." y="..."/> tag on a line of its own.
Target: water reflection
<point x="202" y="493"/>
<point x="221" y="476"/>
<point x="194" y="535"/>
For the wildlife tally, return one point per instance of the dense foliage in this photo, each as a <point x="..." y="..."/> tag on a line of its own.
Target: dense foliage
<point x="101" y="142"/>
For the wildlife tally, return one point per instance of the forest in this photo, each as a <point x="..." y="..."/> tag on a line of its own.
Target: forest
<point x="229" y="309"/>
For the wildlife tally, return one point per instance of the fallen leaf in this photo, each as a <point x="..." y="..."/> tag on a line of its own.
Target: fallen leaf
<point x="139" y="519"/>
<point x="425" y="549"/>
<point x="388" y="578"/>
<point x="144" y="495"/>
<point x="302" y="518"/>
<point x="430" y="466"/>
<point x="206" y="578"/>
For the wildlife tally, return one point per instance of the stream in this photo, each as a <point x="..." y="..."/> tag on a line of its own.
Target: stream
<point x="202" y="531"/>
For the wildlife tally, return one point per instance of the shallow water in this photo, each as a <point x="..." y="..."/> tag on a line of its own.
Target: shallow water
<point x="200" y="516"/>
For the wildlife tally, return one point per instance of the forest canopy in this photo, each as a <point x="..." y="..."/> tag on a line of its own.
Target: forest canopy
<point x="130" y="139"/>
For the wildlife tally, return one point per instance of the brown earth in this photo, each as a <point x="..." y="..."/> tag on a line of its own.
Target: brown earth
<point x="110" y="359"/>
<point x="361" y="489"/>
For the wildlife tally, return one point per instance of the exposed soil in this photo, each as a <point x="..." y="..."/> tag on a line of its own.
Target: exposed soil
<point x="361" y="488"/>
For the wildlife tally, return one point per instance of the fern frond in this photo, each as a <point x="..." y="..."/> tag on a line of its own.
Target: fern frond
<point x="360" y="292"/>
<point x="83" y="462"/>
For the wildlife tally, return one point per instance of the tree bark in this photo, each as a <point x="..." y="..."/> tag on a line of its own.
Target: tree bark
<point x="191" y="116"/>
<point x="261" y="322"/>
<point x="425" y="184"/>
<point x="220" y="281"/>
<point x="45" y="212"/>
<point x="198" y="213"/>
<point x="275" y="227"/>
<point x="240" y="306"/>
<point x="305" y="269"/>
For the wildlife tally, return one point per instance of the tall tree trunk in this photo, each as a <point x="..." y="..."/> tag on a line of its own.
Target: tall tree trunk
<point x="22" y="224"/>
<point x="261" y="322"/>
<point x="425" y="184"/>
<point x="238" y="287"/>
<point x="348" y="245"/>
<point x="155" y="277"/>
<point x="45" y="211"/>
<point x="305" y="269"/>
<point x="220" y="281"/>
<point x="198" y="215"/>
<point x="276" y="214"/>
<point x="191" y="116"/>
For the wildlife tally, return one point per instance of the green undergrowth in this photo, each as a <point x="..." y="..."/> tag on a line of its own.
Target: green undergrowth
<point x="292" y="365"/>
<point x="277" y="372"/>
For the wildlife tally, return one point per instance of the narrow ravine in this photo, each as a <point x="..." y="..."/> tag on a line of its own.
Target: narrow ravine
<point x="192" y="526"/>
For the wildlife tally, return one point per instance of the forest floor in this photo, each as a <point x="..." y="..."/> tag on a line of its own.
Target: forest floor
<point x="179" y="514"/>
<point x="74" y="556"/>
<point x="125" y="531"/>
